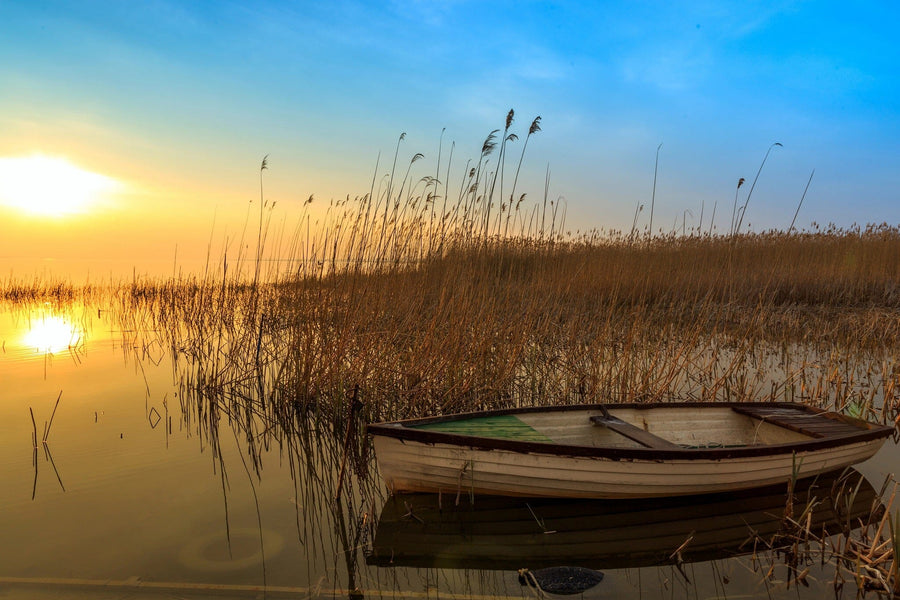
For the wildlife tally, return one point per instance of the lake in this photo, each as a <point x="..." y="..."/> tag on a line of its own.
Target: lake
<point x="119" y="479"/>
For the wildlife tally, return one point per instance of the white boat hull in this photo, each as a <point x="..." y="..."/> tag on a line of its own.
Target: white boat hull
<point x="413" y="466"/>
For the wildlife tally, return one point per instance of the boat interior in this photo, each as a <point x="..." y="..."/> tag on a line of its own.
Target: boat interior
<point x="661" y="428"/>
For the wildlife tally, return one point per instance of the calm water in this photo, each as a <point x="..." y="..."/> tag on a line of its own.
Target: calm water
<point x="137" y="492"/>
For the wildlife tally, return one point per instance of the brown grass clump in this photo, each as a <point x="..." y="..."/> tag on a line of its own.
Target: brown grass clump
<point x="498" y="322"/>
<point x="427" y="300"/>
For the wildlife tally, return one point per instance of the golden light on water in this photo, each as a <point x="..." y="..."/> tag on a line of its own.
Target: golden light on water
<point x="51" y="334"/>
<point x="50" y="186"/>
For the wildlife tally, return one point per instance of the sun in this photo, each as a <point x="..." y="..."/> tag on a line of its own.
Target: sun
<point x="51" y="187"/>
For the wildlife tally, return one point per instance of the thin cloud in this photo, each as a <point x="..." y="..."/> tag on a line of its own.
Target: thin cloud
<point x="429" y="12"/>
<point x="669" y="69"/>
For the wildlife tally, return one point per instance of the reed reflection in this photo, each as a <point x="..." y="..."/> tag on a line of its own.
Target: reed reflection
<point x="335" y="489"/>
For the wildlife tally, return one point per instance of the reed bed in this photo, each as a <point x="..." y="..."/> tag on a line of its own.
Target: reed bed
<point x="421" y="298"/>
<point x="375" y="317"/>
<point x="502" y="322"/>
<point x="860" y="549"/>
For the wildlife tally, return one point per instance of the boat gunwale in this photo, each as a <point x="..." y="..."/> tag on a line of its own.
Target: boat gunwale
<point x="404" y="431"/>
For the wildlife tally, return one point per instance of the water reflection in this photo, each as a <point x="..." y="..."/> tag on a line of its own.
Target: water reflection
<point x="49" y="334"/>
<point x="497" y="533"/>
<point x="247" y="485"/>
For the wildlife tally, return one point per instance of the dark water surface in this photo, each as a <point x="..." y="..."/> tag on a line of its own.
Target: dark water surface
<point x="136" y="494"/>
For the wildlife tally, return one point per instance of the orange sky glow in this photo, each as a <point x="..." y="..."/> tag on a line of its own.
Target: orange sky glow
<point x="131" y="134"/>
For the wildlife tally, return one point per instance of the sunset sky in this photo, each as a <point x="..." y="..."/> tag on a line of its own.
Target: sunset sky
<point x="150" y="119"/>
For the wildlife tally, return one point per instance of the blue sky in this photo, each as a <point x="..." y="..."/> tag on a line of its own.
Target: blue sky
<point x="183" y="99"/>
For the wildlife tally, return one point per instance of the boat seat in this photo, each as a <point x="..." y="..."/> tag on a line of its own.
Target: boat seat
<point x="816" y="425"/>
<point x="644" y="438"/>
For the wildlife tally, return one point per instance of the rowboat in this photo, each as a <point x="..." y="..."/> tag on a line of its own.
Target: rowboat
<point x="620" y="450"/>
<point x="509" y="533"/>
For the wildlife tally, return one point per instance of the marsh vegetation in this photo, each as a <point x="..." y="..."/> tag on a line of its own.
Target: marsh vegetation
<point x="417" y="299"/>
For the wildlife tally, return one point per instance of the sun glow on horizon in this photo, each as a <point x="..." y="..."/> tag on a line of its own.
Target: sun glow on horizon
<point x="49" y="186"/>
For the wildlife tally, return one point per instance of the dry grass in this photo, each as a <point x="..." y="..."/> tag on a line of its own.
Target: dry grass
<point x="418" y="300"/>
<point x="499" y="322"/>
<point x="474" y="322"/>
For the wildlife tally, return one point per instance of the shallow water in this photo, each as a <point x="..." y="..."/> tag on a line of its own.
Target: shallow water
<point x="140" y="492"/>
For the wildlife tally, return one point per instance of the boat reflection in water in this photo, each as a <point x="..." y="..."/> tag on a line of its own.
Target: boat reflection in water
<point x="501" y="533"/>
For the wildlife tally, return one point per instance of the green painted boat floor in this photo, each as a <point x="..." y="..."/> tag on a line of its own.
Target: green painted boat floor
<point x="504" y="427"/>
